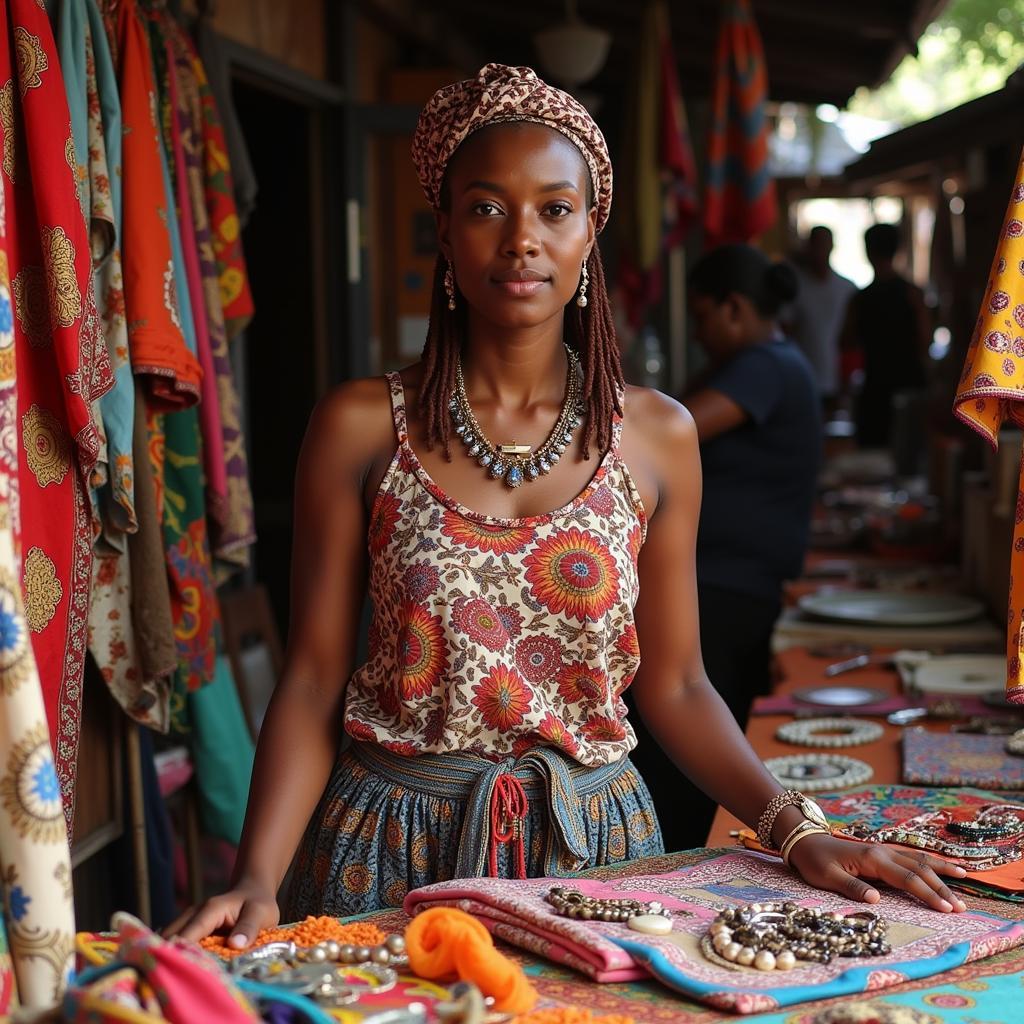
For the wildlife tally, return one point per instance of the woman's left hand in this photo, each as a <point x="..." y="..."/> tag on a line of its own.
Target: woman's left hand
<point x="842" y="866"/>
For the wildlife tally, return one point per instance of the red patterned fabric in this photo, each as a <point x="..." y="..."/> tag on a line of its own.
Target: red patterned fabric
<point x="739" y="200"/>
<point x="235" y="295"/>
<point x="62" y="366"/>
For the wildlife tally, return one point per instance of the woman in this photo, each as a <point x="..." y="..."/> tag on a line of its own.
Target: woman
<point x="488" y="733"/>
<point x="756" y="411"/>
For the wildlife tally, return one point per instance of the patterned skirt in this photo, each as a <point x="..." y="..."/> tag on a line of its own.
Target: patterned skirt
<point x="388" y="824"/>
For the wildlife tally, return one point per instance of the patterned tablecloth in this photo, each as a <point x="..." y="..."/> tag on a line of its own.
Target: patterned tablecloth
<point x="989" y="991"/>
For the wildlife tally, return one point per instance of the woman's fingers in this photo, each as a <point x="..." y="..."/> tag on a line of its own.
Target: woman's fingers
<point x="925" y="869"/>
<point x="217" y="913"/>
<point x="850" y="868"/>
<point x="252" y="919"/>
<point x="906" y="871"/>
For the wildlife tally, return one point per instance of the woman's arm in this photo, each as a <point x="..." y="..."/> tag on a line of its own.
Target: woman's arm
<point x="714" y="413"/>
<point x="681" y="708"/>
<point x="299" y="739"/>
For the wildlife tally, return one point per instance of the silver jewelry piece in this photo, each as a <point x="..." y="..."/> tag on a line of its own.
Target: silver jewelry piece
<point x="581" y="298"/>
<point x="449" y="285"/>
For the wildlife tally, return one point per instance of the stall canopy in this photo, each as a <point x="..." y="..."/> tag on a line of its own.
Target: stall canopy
<point x="815" y="52"/>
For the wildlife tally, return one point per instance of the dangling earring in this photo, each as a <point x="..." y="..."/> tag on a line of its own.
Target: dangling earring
<point x="581" y="299"/>
<point x="449" y="286"/>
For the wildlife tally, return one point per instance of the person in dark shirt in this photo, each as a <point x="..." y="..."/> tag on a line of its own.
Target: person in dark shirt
<point x="888" y="323"/>
<point x="757" y="413"/>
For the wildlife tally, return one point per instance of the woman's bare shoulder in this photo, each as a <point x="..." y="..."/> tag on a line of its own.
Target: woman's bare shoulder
<point x="353" y="421"/>
<point x="656" y="418"/>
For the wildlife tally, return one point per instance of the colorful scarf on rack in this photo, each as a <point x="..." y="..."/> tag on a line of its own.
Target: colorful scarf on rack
<point x="63" y="367"/>
<point x="739" y="195"/>
<point x="990" y="393"/>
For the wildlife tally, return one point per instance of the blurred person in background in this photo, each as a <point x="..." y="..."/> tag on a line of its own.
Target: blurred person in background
<point x="814" y="319"/>
<point x="889" y="325"/>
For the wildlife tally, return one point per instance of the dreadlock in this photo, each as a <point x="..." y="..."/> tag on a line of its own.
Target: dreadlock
<point x="590" y="332"/>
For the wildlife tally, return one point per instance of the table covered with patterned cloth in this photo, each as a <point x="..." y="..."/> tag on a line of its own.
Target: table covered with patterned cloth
<point x="989" y="991"/>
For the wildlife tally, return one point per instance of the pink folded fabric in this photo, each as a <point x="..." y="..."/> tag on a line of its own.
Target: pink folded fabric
<point x="515" y="910"/>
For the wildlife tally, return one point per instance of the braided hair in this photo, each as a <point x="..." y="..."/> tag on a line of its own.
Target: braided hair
<point x="590" y="332"/>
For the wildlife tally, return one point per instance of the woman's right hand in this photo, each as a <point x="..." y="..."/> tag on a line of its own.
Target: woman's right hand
<point x="242" y="912"/>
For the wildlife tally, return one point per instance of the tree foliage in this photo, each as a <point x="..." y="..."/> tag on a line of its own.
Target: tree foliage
<point x="968" y="51"/>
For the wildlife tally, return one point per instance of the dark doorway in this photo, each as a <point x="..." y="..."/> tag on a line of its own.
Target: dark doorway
<point x="280" y="346"/>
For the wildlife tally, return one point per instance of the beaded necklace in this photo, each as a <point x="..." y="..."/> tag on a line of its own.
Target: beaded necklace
<point x="517" y="463"/>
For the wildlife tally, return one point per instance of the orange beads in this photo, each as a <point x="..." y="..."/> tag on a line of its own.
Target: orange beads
<point x="304" y="933"/>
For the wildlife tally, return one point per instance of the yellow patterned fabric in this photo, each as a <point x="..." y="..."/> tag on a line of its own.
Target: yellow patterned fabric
<point x="992" y="388"/>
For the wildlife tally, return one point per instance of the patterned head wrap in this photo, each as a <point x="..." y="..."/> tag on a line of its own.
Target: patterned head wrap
<point x="498" y="94"/>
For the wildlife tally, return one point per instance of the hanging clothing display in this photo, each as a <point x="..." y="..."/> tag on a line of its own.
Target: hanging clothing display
<point x="228" y="179"/>
<point x="178" y="447"/>
<point x="990" y="394"/>
<point x="156" y="341"/>
<point x="203" y="324"/>
<point x="120" y="250"/>
<point x="91" y="89"/>
<point x="36" y="956"/>
<point x="233" y="529"/>
<point x="63" y="367"/>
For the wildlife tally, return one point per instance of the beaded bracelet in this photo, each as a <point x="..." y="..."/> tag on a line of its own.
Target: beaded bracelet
<point x="771" y="812"/>
<point x="829" y="732"/>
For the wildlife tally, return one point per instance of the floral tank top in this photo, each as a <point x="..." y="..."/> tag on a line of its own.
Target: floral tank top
<point x="492" y="636"/>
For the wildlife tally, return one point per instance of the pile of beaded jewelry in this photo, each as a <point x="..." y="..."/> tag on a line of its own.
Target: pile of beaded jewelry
<point x="993" y="837"/>
<point x="774" y="936"/>
<point x="517" y="463"/>
<point x="334" y="974"/>
<point x="652" y="917"/>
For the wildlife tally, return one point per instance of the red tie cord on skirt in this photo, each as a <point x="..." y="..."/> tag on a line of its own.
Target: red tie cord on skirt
<point x="509" y="806"/>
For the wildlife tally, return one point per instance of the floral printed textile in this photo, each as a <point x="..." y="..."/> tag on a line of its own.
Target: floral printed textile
<point x="63" y="366"/>
<point x="490" y="635"/>
<point x="35" y="865"/>
<point x="990" y="393"/>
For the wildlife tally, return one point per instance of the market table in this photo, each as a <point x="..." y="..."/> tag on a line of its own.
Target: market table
<point x="986" y="991"/>
<point x="801" y="669"/>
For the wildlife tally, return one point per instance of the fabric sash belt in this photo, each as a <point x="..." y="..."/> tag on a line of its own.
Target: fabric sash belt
<point x="497" y="796"/>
